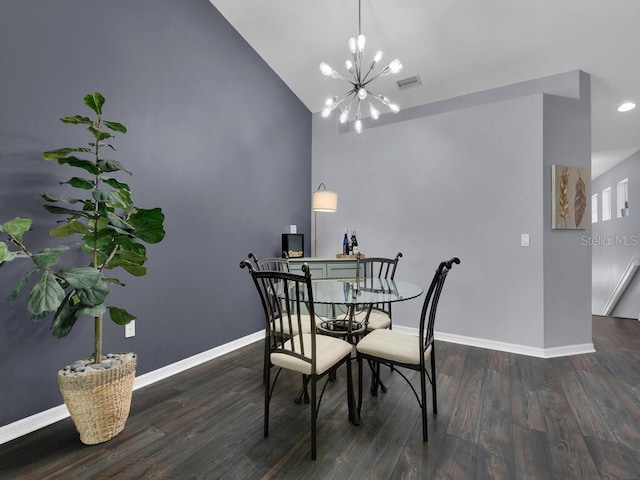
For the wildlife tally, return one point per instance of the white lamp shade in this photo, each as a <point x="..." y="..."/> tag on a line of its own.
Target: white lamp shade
<point x="324" y="201"/>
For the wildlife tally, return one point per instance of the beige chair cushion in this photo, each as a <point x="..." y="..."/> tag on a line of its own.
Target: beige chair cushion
<point x="377" y="319"/>
<point x="392" y="345"/>
<point x="329" y="351"/>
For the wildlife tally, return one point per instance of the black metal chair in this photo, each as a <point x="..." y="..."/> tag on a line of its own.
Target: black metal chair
<point x="378" y="315"/>
<point x="314" y="356"/>
<point x="393" y="348"/>
<point x="271" y="263"/>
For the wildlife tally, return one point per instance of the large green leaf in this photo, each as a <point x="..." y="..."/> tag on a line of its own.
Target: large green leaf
<point x="76" y="119"/>
<point x="134" y="269"/>
<point x="131" y="257"/>
<point x="21" y="284"/>
<point x="69" y="228"/>
<point x="49" y="256"/>
<point x="96" y="311"/>
<point x="148" y="224"/>
<point x="99" y="134"/>
<point x="78" y="182"/>
<point x="56" y="154"/>
<point x="65" y="318"/>
<point x="17" y="227"/>
<point x="130" y="245"/>
<point x="116" y="184"/>
<point x="59" y="198"/>
<point x="108" y="197"/>
<point x="120" y="315"/>
<point x="125" y="196"/>
<point x="115" y="126"/>
<point x="65" y="211"/>
<point x="95" y="295"/>
<point x="94" y="101"/>
<point x="80" y="277"/>
<point x="3" y="251"/>
<point x="118" y="222"/>
<point x="80" y="163"/>
<point x="46" y="296"/>
<point x="112" y="166"/>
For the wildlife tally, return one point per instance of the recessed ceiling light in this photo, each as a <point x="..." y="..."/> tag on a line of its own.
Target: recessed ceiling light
<point x="625" y="107"/>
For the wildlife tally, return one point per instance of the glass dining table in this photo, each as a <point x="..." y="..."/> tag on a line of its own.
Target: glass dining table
<point x="346" y="297"/>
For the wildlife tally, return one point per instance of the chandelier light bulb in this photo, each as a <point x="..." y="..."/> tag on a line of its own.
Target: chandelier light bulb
<point x="349" y="66"/>
<point x="344" y="116"/>
<point x="373" y="111"/>
<point x="362" y="93"/>
<point x="395" y="66"/>
<point x="384" y="99"/>
<point x="358" y="126"/>
<point x="326" y="112"/>
<point x="360" y="43"/>
<point x="377" y="57"/>
<point x="326" y="69"/>
<point x="352" y="45"/>
<point x="394" y="108"/>
<point x="329" y="101"/>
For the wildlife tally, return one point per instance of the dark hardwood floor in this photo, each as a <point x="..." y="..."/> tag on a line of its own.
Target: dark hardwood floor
<point x="501" y="416"/>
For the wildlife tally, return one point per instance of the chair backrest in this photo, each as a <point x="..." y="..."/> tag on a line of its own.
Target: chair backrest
<point x="377" y="267"/>
<point x="428" y="316"/>
<point x="271" y="263"/>
<point x="281" y="294"/>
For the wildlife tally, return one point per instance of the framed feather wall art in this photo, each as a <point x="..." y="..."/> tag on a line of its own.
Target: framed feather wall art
<point x="570" y="197"/>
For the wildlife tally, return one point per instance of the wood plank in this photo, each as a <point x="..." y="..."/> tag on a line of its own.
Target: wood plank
<point x="465" y="421"/>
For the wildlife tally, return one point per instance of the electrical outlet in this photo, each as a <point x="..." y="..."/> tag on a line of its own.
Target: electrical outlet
<point x="130" y="329"/>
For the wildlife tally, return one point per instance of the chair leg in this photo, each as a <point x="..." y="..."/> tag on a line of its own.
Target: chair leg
<point x="433" y="381"/>
<point x="353" y="417"/>
<point x="359" y="385"/>
<point x="314" y="416"/>
<point x="423" y="401"/>
<point x="267" y="399"/>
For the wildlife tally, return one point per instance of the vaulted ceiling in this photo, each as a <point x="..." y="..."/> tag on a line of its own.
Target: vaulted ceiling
<point x="459" y="47"/>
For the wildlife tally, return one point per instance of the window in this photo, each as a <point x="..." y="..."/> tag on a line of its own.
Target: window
<point x="606" y="204"/>
<point x="594" y="208"/>
<point x="622" y="196"/>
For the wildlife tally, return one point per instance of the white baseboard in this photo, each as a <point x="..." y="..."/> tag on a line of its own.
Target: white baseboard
<point x="504" y="346"/>
<point x="39" y="420"/>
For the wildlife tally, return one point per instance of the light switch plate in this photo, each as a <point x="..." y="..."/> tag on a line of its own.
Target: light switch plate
<point x="524" y="240"/>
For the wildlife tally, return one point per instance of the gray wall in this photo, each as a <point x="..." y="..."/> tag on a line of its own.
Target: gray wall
<point x="616" y="241"/>
<point x="215" y="139"/>
<point x="465" y="177"/>
<point x="567" y="260"/>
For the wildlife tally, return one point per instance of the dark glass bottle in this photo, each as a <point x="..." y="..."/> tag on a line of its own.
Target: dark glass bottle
<point x="345" y="243"/>
<point x="354" y="243"/>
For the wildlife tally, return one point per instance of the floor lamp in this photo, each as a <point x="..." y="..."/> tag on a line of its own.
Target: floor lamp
<point x="322" y="201"/>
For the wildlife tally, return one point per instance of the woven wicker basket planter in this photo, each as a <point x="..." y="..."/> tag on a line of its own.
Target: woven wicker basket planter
<point x="99" y="401"/>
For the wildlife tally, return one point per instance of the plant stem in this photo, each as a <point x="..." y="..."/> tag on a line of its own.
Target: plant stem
<point x="97" y="321"/>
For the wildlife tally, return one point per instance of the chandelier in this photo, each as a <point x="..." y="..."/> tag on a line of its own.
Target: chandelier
<point x="359" y="97"/>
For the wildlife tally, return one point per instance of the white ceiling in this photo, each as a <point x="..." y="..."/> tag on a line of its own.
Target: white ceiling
<point x="459" y="47"/>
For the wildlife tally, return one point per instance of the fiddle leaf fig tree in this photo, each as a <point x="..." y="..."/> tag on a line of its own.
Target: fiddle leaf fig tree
<point x="110" y="226"/>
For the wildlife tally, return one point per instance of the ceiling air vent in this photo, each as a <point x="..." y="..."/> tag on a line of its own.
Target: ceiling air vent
<point x="409" y="82"/>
